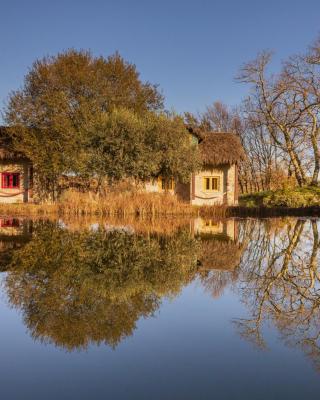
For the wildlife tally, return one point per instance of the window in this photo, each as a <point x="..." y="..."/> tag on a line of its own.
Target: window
<point x="8" y="223"/>
<point x="211" y="183"/>
<point x="10" y="180"/>
<point x="212" y="224"/>
<point x="166" y="184"/>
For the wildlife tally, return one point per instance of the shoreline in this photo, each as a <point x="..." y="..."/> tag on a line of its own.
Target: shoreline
<point x="185" y="211"/>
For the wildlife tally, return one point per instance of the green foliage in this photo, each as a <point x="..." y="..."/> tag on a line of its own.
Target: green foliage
<point x="64" y="94"/>
<point x="117" y="146"/>
<point x="93" y="117"/>
<point x="175" y="153"/>
<point x="292" y="197"/>
<point x="75" y="288"/>
<point x="124" y="144"/>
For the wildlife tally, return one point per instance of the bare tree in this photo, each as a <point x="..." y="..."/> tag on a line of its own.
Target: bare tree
<point x="301" y="76"/>
<point x="273" y="107"/>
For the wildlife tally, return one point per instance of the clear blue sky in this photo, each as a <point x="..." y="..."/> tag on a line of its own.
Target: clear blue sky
<point x="192" y="49"/>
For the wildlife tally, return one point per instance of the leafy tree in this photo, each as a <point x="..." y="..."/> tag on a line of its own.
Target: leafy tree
<point x="75" y="288"/>
<point x="176" y="155"/>
<point x="124" y="144"/>
<point x="61" y="95"/>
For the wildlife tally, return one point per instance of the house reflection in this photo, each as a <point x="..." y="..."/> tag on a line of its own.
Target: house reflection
<point x="14" y="234"/>
<point x="226" y="229"/>
<point x="77" y="287"/>
<point x="220" y="253"/>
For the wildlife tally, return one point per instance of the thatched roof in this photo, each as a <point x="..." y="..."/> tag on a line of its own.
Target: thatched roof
<point x="217" y="148"/>
<point x="220" y="255"/>
<point x="6" y="147"/>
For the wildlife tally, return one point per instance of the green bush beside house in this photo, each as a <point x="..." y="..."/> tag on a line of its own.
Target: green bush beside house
<point x="299" y="197"/>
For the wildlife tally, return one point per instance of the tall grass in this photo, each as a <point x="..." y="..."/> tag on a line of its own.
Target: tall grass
<point x="123" y="204"/>
<point x="118" y="204"/>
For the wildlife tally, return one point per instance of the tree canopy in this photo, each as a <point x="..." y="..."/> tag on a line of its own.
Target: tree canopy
<point x="77" y="113"/>
<point x="77" y="288"/>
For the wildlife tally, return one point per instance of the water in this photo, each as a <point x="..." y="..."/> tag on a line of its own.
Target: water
<point x="160" y="310"/>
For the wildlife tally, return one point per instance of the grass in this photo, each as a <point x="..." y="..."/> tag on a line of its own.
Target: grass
<point x="299" y="197"/>
<point x="149" y="205"/>
<point x="119" y="204"/>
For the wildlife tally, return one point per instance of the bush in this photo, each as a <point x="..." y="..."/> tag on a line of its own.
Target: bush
<point x="290" y="197"/>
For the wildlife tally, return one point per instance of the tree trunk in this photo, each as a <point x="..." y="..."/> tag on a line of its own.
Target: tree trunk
<point x="298" y="170"/>
<point x="316" y="170"/>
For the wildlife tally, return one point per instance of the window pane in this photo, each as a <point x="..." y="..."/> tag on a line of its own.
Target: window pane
<point x="207" y="180"/>
<point x="15" y="180"/>
<point x="163" y="184"/>
<point x="171" y="184"/>
<point x="7" y="180"/>
<point x="214" y="183"/>
<point x="10" y="181"/>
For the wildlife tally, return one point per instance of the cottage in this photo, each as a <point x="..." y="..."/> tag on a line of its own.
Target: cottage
<point x="217" y="181"/>
<point x="16" y="173"/>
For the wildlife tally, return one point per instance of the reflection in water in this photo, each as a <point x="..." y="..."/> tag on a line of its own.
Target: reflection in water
<point x="279" y="282"/>
<point x="81" y="286"/>
<point x="14" y="233"/>
<point x="92" y="286"/>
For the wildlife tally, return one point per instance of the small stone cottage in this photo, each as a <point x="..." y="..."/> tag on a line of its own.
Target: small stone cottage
<point x="217" y="181"/>
<point x="16" y="173"/>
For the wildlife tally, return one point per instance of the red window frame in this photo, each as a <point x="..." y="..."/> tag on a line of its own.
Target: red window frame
<point x="9" y="223"/>
<point x="8" y="180"/>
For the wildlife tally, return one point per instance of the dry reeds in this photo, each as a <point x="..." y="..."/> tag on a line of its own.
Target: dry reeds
<point x="116" y="204"/>
<point x="27" y="209"/>
<point x="123" y="204"/>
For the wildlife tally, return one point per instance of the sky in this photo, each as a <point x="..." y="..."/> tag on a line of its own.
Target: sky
<point x="191" y="49"/>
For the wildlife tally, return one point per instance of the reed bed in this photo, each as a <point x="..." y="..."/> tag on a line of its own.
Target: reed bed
<point x="123" y="204"/>
<point x="28" y="210"/>
<point x="142" y="205"/>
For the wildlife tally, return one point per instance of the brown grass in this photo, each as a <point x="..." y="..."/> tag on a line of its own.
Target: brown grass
<point x="117" y="204"/>
<point x="123" y="204"/>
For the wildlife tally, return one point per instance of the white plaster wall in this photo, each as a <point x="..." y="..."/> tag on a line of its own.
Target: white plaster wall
<point x="4" y="192"/>
<point x="152" y="186"/>
<point x="231" y="185"/>
<point x="227" y="178"/>
<point x="200" y="225"/>
<point x="208" y="198"/>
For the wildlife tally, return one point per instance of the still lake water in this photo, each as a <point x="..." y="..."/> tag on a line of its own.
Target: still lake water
<point x="195" y="309"/>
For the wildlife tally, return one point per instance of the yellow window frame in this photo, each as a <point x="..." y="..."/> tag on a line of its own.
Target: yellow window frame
<point x="208" y="184"/>
<point x="166" y="184"/>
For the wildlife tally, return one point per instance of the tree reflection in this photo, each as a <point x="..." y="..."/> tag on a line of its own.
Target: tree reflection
<point x="75" y="288"/>
<point x="279" y="281"/>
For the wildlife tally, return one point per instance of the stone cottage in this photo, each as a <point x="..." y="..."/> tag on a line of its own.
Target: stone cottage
<point x="16" y="173"/>
<point x="217" y="181"/>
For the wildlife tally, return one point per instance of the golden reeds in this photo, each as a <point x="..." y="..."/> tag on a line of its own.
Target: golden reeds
<point x="118" y="204"/>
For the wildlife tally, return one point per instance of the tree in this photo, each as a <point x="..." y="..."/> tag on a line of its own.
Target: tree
<point x="60" y="97"/>
<point x="301" y="75"/>
<point x="269" y="104"/>
<point x="176" y="155"/>
<point x="123" y="144"/>
<point x="287" y="105"/>
<point x="279" y="282"/>
<point x="77" y="288"/>
<point x="219" y="117"/>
